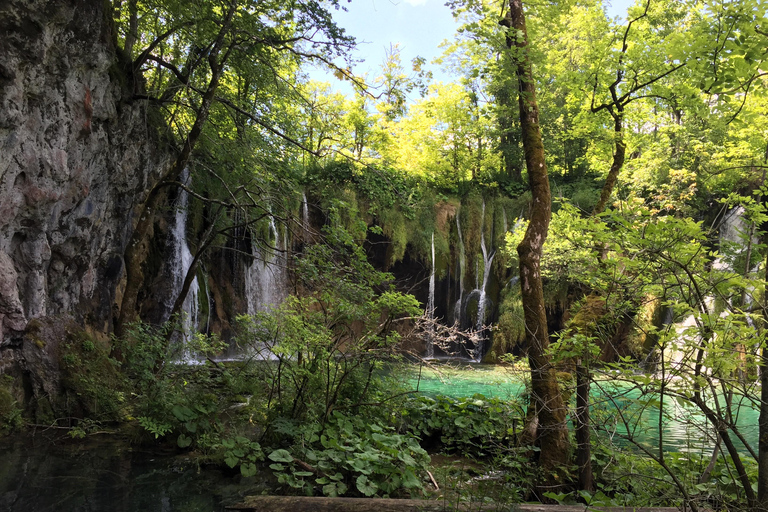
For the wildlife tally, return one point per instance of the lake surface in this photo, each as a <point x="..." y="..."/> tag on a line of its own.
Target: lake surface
<point x="684" y="428"/>
<point x="52" y="473"/>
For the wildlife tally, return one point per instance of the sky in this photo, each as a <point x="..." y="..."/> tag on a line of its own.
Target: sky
<point x="418" y="26"/>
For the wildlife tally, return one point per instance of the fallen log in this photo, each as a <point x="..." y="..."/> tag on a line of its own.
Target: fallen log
<point x="322" y="504"/>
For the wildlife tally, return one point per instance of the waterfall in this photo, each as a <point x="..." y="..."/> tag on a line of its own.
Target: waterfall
<point x="430" y="311"/>
<point x="304" y="216"/>
<point x="179" y="266"/>
<point x="732" y="231"/>
<point x="482" y="301"/>
<point x="460" y="317"/>
<point x="266" y="278"/>
<point x="462" y="262"/>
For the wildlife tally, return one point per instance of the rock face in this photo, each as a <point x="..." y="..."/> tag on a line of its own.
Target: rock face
<point x="75" y="156"/>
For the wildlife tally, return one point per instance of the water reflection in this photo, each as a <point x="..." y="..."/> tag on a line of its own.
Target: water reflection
<point x="58" y="474"/>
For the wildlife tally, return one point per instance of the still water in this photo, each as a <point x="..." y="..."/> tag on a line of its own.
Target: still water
<point x="51" y="472"/>
<point x="683" y="427"/>
<point x="55" y="474"/>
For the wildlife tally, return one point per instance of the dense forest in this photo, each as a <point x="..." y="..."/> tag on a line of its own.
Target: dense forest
<point x="203" y="248"/>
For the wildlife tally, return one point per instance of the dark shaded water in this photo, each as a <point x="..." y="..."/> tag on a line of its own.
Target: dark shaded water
<point x="43" y="474"/>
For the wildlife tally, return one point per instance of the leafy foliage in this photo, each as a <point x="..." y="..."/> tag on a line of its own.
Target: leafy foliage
<point x="349" y="455"/>
<point x="476" y="426"/>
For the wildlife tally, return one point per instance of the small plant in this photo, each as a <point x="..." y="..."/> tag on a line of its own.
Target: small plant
<point x="171" y="398"/>
<point x="241" y="451"/>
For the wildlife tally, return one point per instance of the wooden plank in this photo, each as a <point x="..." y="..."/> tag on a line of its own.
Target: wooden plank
<point x="321" y="504"/>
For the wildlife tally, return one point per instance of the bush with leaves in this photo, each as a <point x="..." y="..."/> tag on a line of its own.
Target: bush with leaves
<point x="475" y="426"/>
<point x="349" y="455"/>
<point x="169" y="397"/>
<point x="326" y="348"/>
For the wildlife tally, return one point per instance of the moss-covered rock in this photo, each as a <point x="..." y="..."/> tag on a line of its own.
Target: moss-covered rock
<point x="10" y="409"/>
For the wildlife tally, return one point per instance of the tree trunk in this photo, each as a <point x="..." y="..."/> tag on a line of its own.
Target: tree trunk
<point x="619" y="155"/>
<point x="552" y="433"/>
<point x="324" y="504"/>
<point x="131" y="34"/>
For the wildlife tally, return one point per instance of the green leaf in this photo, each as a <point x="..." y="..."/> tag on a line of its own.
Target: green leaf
<point x="365" y="486"/>
<point x="231" y="461"/>
<point x="183" y="441"/>
<point x="281" y="456"/>
<point x="183" y="413"/>
<point x="248" y="469"/>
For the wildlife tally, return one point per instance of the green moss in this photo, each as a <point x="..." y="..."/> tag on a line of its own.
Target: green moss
<point x="44" y="411"/>
<point x="92" y="381"/>
<point x="510" y="330"/>
<point x="393" y="226"/>
<point x="10" y="411"/>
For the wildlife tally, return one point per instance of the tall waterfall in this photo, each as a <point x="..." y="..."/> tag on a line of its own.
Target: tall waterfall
<point x="461" y="318"/>
<point x="179" y="266"/>
<point x="304" y="217"/>
<point x="482" y="301"/>
<point x="430" y="311"/>
<point x="462" y="263"/>
<point x="266" y="278"/>
<point x="732" y="231"/>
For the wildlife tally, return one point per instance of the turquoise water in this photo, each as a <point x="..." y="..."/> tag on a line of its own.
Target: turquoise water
<point x="467" y="379"/>
<point x="683" y="427"/>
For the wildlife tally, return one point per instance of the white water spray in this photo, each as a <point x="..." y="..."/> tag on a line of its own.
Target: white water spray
<point x="462" y="264"/>
<point x="180" y="264"/>
<point x="304" y="216"/>
<point x="482" y="301"/>
<point x="266" y="277"/>
<point x="430" y="311"/>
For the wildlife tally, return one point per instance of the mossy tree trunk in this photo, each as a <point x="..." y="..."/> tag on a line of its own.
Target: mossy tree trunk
<point x="619" y="155"/>
<point x="551" y="431"/>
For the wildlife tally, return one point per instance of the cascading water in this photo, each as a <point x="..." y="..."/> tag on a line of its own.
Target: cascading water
<point x="265" y="278"/>
<point x="266" y="281"/>
<point x="180" y="264"/>
<point x="430" y="311"/>
<point x="461" y="318"/>
<point x="504" y="217"/>
<point x="732" y="231"/>
<point x="460" y="274"/>
<point x="483" y="299"/>
<point x="304" y="217"/>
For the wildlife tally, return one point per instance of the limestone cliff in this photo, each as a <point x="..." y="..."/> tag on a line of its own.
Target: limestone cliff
<point x="75" y="156"/>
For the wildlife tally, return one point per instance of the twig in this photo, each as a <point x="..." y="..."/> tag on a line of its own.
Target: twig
<point x="434" y="482"/>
